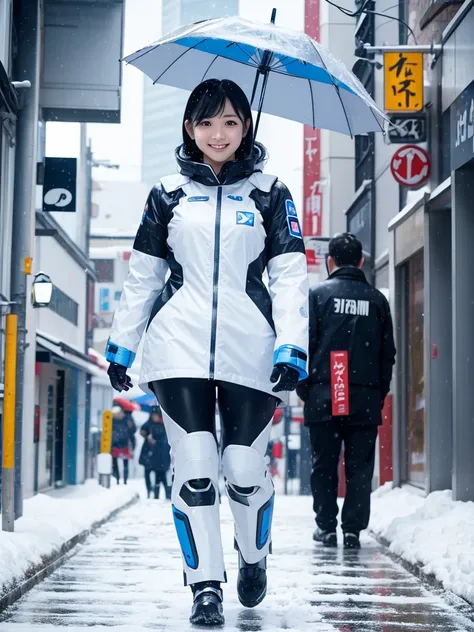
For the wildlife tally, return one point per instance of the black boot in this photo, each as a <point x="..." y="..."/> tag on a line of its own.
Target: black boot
<point x="327" y="538"/>
<point x="207" y="605"/>
<point x="351" y="540"/>
<point x="252" y="582"/>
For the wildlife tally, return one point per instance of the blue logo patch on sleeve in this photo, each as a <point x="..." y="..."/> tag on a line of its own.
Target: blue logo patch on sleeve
<point x="235" y="198"/>
<point x="244" y="218"/>
<point x="291" y="208"/>
<point x="198" y="198"/>
<point x="294" y="227"/>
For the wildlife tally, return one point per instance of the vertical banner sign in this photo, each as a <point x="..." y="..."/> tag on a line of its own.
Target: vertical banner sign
<point x="59" y="186"/>
<point x="312" y="196"/>
<point x="403" y="82"/>
<point x="339" y="383"/>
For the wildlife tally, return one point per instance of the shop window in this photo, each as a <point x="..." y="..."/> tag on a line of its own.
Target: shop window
<point x="415" y="370"/>
<point x="104" y="269"/>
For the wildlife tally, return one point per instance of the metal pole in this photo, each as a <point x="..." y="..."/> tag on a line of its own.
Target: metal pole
<point x="104" y="459"/>
<point x="286" y="421"/>
<point x="431" y="49"/>
<point x="305" y="462"/>
<point x="27" y="67"/>
<point x="8" y="447"/>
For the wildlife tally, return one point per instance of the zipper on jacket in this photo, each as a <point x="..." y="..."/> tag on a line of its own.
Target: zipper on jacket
<point x="215" y="283"/>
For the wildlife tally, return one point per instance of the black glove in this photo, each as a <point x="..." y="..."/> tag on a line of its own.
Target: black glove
<point x="286" y="376"/>
<point x="118" y="377"/>
<point x="302" y="390"/>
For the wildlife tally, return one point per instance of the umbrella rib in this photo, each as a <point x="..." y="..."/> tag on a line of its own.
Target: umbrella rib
<point x="255" y="61"/>
<point x="312" y="102"/>
<point x="336" y="87"/>
<point x="209" y="67"/>
<point x="147" y="50"/>
<point x="178" y="58"/>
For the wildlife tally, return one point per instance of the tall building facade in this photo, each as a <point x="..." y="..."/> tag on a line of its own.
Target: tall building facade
<point x="163" y="106"/>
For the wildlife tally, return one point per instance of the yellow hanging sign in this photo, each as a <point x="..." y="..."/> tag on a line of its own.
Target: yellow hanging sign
<point x="403" y="82"/>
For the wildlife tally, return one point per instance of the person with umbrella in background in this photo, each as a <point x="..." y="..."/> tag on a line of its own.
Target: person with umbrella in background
<point x="213" y="330"/>
<point x="121" y="444"/>
<point x="155" y="453"/>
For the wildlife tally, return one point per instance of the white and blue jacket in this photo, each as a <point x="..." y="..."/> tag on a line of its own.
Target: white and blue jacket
<point x="196" y="282"/>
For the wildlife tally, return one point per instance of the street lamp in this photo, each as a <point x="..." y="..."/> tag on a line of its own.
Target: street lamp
<point x="41" y="290"/>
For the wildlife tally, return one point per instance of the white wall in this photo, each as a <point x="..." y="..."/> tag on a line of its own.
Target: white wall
<point x="120" y="207"/>
<point x="69" y="277"/>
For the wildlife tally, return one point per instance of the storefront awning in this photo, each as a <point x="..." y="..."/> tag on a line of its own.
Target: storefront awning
<point x="67" y="354"/>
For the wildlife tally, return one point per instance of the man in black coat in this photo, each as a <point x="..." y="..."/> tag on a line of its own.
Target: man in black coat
<point x="351" y="355"/>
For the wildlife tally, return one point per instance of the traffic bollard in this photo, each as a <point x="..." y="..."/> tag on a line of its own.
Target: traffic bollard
<point x="104" y="459"/>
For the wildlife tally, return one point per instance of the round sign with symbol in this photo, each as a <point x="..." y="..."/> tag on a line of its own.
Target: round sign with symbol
<point x="411" y="166"/>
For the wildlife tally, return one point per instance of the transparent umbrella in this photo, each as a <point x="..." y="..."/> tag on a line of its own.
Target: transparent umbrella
<point x="282" y="71"/>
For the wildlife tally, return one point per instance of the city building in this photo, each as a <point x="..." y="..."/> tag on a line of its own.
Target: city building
<point x="44" y="76"/>
<point x="418" y="236"/>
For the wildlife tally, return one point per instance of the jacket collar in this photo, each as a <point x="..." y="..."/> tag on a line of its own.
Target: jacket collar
<point x="350" y="273"/>
<point x="231" y="172"/>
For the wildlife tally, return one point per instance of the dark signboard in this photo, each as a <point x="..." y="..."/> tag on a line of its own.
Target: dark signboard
<point x="360" y="222"/>
<point x="411" y="128"/>
<point x="59" y="185"/>
<point x="359" y="219"/>
<point x="462" y="128"/>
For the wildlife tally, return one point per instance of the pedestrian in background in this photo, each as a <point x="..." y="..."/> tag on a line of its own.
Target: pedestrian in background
<point x="155" y="453"/>
<point x="121" y="443"/>
<point x="351" y="355"/>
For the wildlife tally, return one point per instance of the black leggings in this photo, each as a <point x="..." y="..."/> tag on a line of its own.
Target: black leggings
<point x="191" y="402"/>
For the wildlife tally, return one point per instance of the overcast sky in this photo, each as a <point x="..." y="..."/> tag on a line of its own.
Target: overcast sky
<point x="122" y="143"/>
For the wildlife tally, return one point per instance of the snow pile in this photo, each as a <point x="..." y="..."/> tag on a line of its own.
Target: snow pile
<point x="48" y="522"/>
<point x="434" y="532"/>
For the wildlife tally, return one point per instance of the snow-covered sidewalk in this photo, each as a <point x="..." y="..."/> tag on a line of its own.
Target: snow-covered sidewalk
<point x="434" y="533"/>
<point x="50" y="522"/>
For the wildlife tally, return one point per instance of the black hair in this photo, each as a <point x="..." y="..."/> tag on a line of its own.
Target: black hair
<point x="208" y="99"/>
<point x="345" y="249"/>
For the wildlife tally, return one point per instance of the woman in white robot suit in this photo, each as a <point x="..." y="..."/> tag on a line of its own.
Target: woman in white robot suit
<point x="214" y="331"/>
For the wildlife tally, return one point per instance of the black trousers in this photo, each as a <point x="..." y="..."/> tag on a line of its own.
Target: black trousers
<point x="115" y="470"/>
<point x="191" y="402"/>
<point x="359" y="456"/>
<point x="160" y="477"/>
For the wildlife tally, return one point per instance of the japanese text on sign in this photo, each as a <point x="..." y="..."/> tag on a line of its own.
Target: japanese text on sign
<point x="465" y="125"/>
<point x="106" y="438"/>
<point x="339" y="383"/>
<point x="403" y="74"/>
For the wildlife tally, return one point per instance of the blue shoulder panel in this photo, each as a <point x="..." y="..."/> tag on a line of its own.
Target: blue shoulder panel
<point x="119" y="355"/>
<point x="294" y="356"/>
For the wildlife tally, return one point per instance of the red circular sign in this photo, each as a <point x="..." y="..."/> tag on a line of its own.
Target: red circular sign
<point x="411" y="166"/>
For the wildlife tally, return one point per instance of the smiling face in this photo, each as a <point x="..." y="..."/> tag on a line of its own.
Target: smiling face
<point x="219" y="137"/>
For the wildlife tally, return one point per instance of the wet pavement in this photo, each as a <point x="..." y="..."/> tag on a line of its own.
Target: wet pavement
<point x="127" y="577"/>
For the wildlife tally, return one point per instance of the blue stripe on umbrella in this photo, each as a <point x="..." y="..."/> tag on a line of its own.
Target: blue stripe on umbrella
<point x="246" y="54"/>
